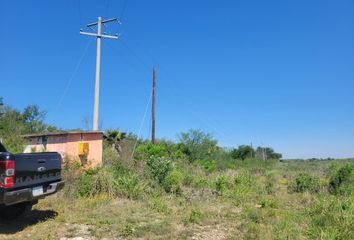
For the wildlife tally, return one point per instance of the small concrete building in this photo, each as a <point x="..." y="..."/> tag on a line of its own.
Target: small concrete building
<point x="76" y="145"/>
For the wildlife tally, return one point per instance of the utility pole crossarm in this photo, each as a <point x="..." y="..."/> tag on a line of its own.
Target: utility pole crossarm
<point x="98" y="35"/>
<point x="103" y="22"/>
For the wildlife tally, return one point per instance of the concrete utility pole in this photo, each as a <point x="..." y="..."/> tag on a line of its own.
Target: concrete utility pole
<point x="153" y="106"/>
<point x="98" y="35"/>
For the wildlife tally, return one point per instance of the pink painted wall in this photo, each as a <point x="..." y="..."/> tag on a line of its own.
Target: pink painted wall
<point x="67" y="145"/>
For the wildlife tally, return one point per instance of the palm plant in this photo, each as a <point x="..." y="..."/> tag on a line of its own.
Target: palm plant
<point x="114" y="138"/>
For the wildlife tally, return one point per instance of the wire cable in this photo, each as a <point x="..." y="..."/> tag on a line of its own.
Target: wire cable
<point x="79" y="10"/>
<point x="107" y="8"/>
<point x="192" y="108"/>
<point x="68" y="84"/>
<point x="125" y="3"/>
<point x="141" y="124"/>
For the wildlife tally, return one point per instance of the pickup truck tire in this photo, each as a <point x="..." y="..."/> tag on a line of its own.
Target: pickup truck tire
<point x="13" y="212"/>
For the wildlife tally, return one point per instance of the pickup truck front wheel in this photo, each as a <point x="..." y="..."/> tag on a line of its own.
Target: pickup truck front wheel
<point x="13" y="212"/>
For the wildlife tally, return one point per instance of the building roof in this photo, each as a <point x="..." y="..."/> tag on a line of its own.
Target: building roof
<point x="59" y="133"/>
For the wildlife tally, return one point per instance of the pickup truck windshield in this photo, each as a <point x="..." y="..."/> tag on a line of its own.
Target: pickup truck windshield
<point x="2" y="149"/>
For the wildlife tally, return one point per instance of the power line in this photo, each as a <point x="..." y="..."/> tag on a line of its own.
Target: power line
<point x="79" y="10"/>
<point x="74" y="73"/>
<point x="107" y="7"/>
<point x="141" y="124"/>
<point x="125" y="3"/>
<point x="191" y="107"/>
<point x="132" y="66"/>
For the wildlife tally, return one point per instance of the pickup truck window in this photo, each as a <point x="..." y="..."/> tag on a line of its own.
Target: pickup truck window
<point x="2" y="148"/>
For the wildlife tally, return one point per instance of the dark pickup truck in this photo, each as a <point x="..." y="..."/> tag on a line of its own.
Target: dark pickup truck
<point x="25" y="178"/>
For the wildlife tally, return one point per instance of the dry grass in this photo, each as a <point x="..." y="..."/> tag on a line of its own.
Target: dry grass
<point x="260" y="209"/>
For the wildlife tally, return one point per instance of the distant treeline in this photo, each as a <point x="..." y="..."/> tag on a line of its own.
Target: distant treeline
<point x="195" y="145"/>
<point x="14" y="123"/>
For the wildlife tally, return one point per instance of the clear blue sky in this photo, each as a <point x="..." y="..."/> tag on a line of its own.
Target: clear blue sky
<point x="276" y="73"/>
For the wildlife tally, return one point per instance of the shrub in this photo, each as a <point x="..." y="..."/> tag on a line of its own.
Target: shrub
<point x="110" y="181"/>
<point x="208" y="165"/>
<point x="197" y="145"/>
<point x="110" y="156"/>
<point x="223" y="161"/>
<point x="243" y="152"/>
<point x="128" y="230"/>
<point x="331" y="169"/>
<point x="145" y="151"/>
<point x="201" y="183"/>
<point x="220" y="184"/>
<point x="304" y="182"/>
<point x="188" y="180"/>
<point x="331" y="217"/>
<point x="342" y="180"/>
<point x="159" y="168"/>
<point x="71" y="164"/>
<point x="173" y="150"/>
<point x="194" y="217"/>
<point x="253" y="215"/>
<point x="102" y="182"/>
<point x="173" y="182"/>
<point x="85" y="182"/>
<point x="243" y="178"/>
<point x="268" y="203"/>
<point x="159" y="205"/>
<point x="256" y="165"/>
<point x="129" y="186"/>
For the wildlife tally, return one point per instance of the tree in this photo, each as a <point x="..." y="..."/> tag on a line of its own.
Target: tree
<point x="197" y="145"/>
<point x="242" y="152"/>
<point x="267" y="153"/>
<point x="11" y="128"/>
<point x="33" y="119"/>
<point x="114" y="138"/>
<point x="13" y="124"/>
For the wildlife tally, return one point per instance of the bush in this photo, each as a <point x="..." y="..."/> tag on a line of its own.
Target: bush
<point x="128" y="230"/>
<point x="304" y="182"/>
<point x="145" y="151"/>
<point x="243" y="152"/>
<point x="159" y="167"/>
<point x="159" y="205"/>
<point x="194" y="217"/>
<point x="86" y="183"/>
<point x="253" y="215"/>
<point x="110" y="156"/>
<point x="331" y="169"/>
<point x="342" y="180"/>
<point x="220" y="184"/>
<point x="201" y="183"/>
<point x="173" y="150"/>
<point x="197" y="145"/>
<point x="111" y="181"/>
<point x="243" y="178"/>
<point x="173" y="182"/>
<point x="129" y="186"/>
<point x="208" y="165"/>
<point x="331" y="217"/>
<point x="223" y="160"/>
<point x="188" y="180"/>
